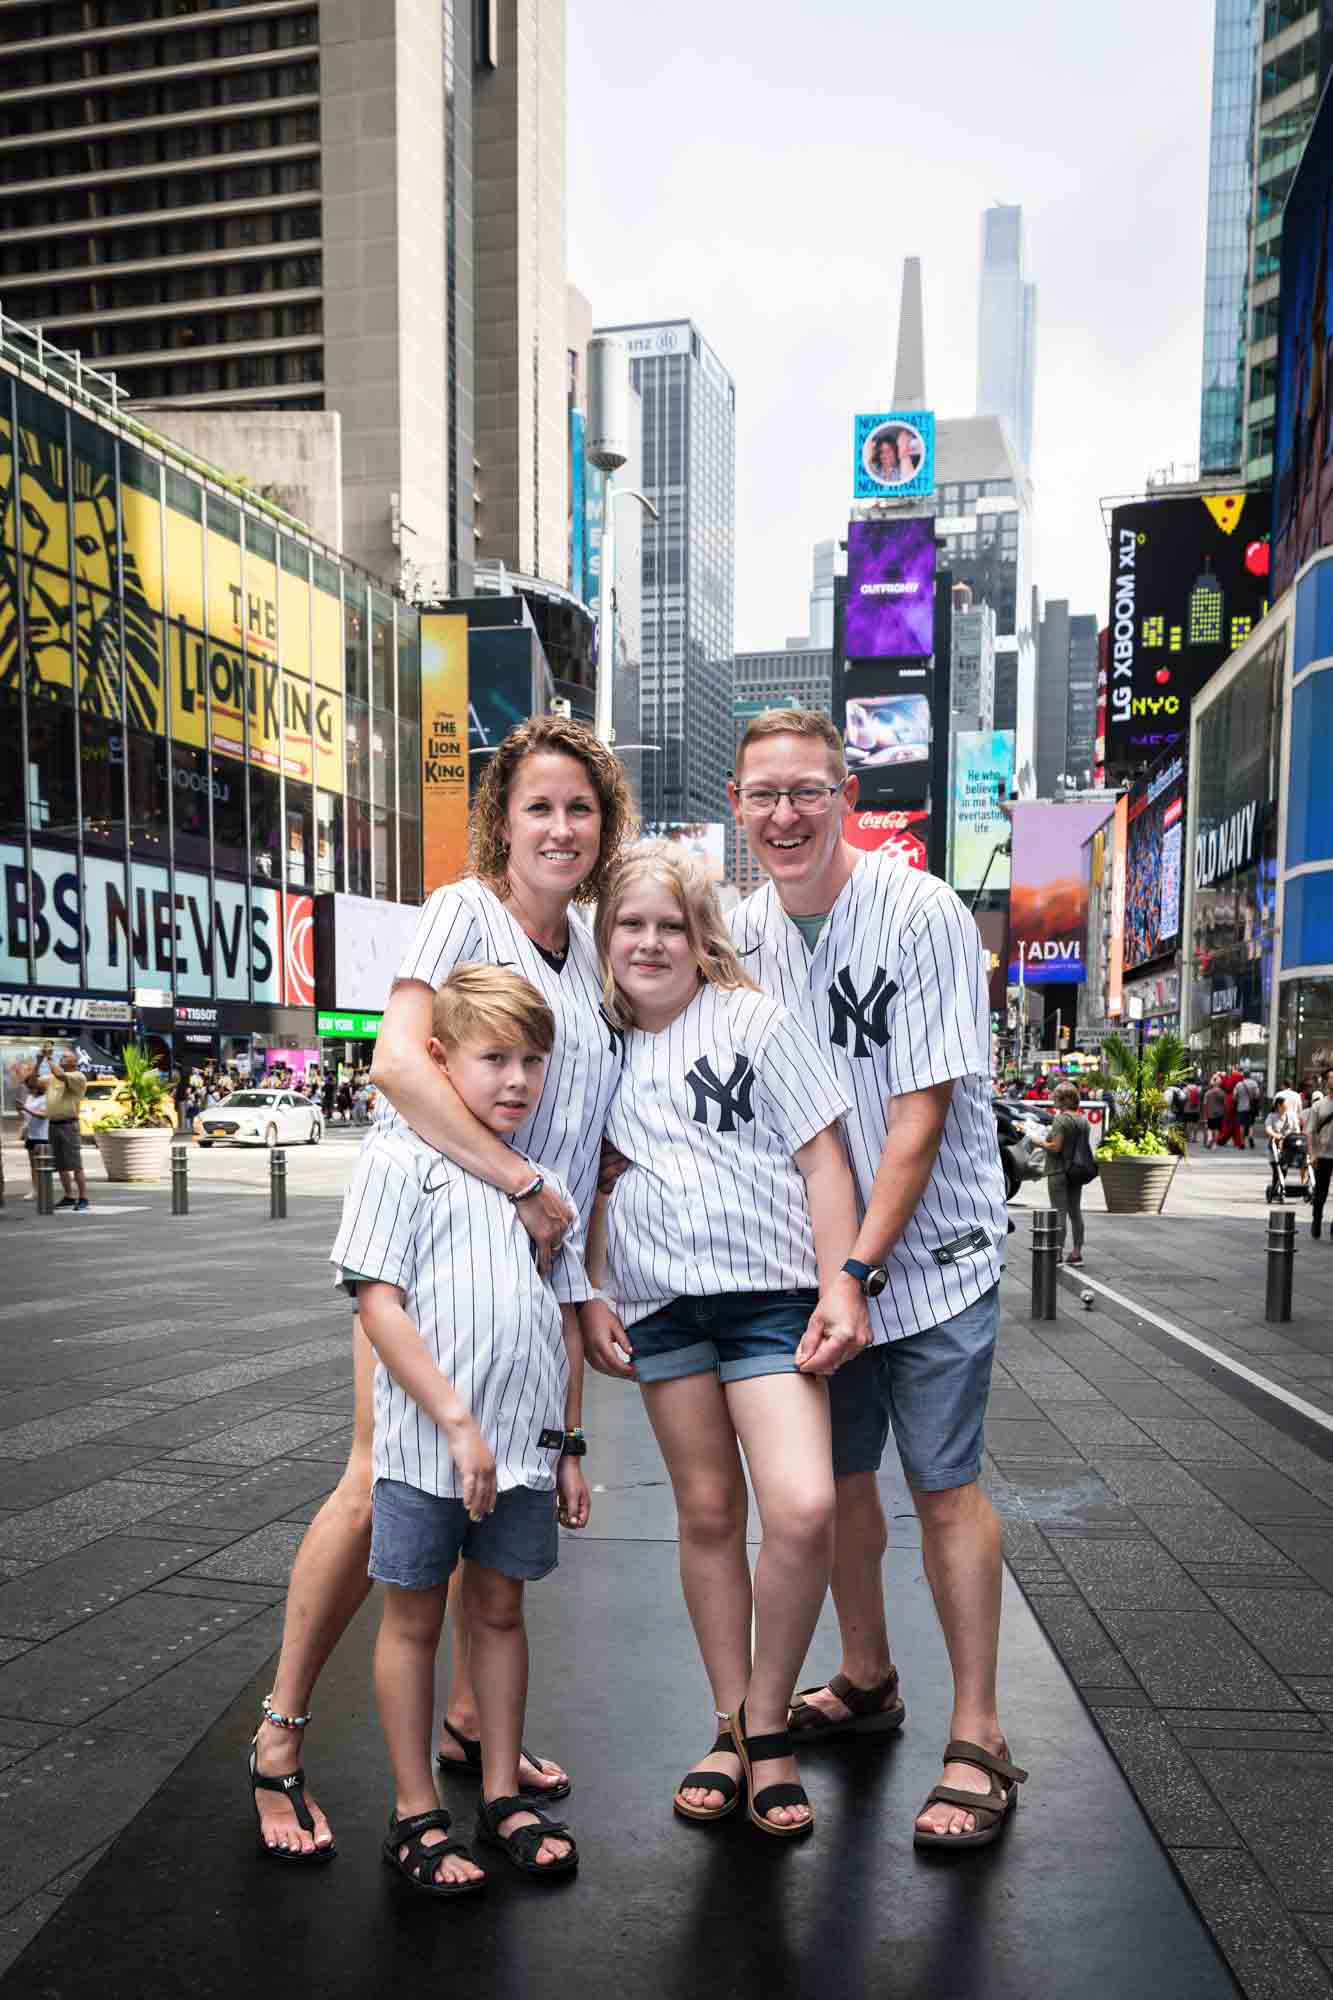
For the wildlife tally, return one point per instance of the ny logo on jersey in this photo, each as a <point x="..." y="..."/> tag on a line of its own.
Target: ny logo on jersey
<point x="732" y="1098"/>
<point x="868" y="1012"/>
<point x="617" y="1036"/>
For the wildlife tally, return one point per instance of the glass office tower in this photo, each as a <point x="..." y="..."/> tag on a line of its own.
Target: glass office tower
<point x="1227" y="270"/>
<point x="1006" y="328"/>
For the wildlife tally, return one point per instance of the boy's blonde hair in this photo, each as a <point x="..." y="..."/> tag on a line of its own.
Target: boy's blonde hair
<point x="794" y="722"/>
<point x="705" y="928"/>
<point x="488" y="1003"/>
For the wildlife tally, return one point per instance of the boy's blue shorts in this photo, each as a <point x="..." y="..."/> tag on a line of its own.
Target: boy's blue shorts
<point x="416" y="1538"/>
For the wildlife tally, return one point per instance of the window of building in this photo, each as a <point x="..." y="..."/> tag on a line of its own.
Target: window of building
<point x="328" y="842"/>
<point x="358" y="848"/>
<point x="102" y="776"/>
<point x="190" y="788"/>
<point x="229" y="789"/>
<point x="384" y="852"/>
<point x="300" y="839"/>
<point x="266" y="824"/>
<point x="358" y="749"/>
<point x="149" y="824"/>
<point x="381" y="650"/>
<point x="355" y="649"/>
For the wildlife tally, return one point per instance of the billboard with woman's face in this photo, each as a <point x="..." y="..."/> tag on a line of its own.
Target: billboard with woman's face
<point x="893" y="455"/>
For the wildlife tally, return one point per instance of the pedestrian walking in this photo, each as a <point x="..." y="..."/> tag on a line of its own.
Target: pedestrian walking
<point x="726" y="1111"/>
<point x="1214" y="1113"/>
<point x="63" y="1087"/>
<point x="1245" y="1103"/>
<point x="884" y="966"/>
<point x="1070" y="1166"/>
<point x="549" y="818"/>
<point x="34" y="1129"/>
<point x="1191" y="1109"/>
<point x="478" y="1424"/>
<point x="344" y="1101"/>
<point x="1319" y="1135"/>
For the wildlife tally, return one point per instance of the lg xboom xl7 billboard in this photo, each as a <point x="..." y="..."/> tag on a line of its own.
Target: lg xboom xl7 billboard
<point x="1189" y="580"/>
<point x="1303" y="432"/>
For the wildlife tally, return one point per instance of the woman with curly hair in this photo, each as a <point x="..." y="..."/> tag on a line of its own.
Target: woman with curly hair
<point x="550" y="816"/>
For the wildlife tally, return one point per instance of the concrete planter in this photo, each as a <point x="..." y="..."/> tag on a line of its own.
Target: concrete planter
<point x="1138" y="1185"/>
<point x="135" y="1152"/>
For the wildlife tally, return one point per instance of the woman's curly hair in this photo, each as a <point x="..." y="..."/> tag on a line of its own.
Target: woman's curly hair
<point x="488" y="841"/>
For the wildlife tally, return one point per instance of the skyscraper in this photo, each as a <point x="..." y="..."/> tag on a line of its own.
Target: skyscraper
<point x="1226" y="284"/>
<point x="799" y="676"/>
<point x="1006" y="328"/>
<point x="689" y="473"/>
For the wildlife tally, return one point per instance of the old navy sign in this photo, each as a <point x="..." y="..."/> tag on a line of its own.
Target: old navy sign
<point x="1226" y="848"/>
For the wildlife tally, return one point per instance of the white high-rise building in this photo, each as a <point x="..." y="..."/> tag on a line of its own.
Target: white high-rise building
<point x="1006" y="328"/>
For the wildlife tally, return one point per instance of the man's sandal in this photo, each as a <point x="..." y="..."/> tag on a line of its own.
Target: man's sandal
<point x="991" y="1808"/>
<point x="469" y="1766"/>
<point x="417" y="1867"/>
<point x="522" y="1844"/>
<point x="754" y="1750"/>
<point x="872" y="1711"/>
<point x="710" y="1781"/>
<point x="292" y="1787"/>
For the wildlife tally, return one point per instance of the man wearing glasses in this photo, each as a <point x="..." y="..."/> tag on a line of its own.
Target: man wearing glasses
<point x="885" y="967"/>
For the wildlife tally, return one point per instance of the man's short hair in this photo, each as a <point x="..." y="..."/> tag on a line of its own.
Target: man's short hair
<point x="488" y="1003"/>
<point x="793" y="722"/>
<point x="1066" y="1096"/>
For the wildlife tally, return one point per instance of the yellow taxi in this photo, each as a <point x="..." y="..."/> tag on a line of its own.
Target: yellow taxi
<point x="105" y="1097"/>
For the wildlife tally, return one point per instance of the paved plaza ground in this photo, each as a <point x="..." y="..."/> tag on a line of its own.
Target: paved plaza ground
<point x="174" y="1402"/>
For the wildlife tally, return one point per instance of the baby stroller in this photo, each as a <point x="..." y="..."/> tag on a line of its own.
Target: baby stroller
<point x="1290" y="1156"/>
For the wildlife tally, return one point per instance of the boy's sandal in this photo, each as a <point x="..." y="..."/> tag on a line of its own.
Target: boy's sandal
<point x="470" y="1764"/>
<point x="991" y="1808"/>
<point x="417" y="1867"/>
<point x="522" y="1844"/>
<point x="709" y="1781"/>
<point x="754" y="1750"/>
<point x="872" y="1711"/>
<point x="292" y="1788"/>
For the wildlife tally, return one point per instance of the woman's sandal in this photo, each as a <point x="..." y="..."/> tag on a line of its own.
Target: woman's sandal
<point x="754" y="1750"/>
<point x="710" y="1781"/>
<point x="470" y="1766"/>
<point x="872" y="1711"/>
<point x="417" y="1867"/>
<point x="292" y="1787"/>
<point x="522" y="1844"/>
<point x="991" y="1808"/>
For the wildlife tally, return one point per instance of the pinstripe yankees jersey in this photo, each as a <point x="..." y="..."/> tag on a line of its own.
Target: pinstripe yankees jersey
<point x="710" y="1110"/>
<point x="474" y="1293"/>
<point x="466" y="923"/>
<point x="894" y="993"/>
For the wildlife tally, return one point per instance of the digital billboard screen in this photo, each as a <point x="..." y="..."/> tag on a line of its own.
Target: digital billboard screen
<point x="1303" y="427"/>
<point x="983" y="770"/>
<point x="902" y="834"/>
<point x="886" y="733"/>
<point x="890" y="611"/>
<point x="1189" y="581"/>
<point x="893" y="455"/>
<point x="1153" y="849"/>
<point x="1048" y="896"/>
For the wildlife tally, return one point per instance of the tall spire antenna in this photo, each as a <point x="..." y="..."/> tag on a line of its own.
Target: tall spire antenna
<point x="909" y="377"/>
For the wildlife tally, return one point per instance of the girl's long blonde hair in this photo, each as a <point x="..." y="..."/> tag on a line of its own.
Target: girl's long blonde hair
<point x="705" y="927"/>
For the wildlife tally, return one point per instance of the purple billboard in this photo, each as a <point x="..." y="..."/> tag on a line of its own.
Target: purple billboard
<point x="890" y="590"/>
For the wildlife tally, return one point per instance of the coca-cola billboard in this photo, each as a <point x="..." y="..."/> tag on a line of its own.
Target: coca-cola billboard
<point x="899" y="833"/>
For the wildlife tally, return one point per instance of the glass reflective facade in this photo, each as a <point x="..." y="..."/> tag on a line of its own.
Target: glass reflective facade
<point x="1227" y="270"/>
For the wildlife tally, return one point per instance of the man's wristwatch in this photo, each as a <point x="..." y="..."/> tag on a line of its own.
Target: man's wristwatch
<point x="872" y="1278"/>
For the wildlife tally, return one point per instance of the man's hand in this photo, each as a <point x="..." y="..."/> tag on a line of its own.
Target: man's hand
<point x="838" y="1328"/>
<point x="546" y="1216"/>
<point x="613" y="1165"/>
<point x="572" y="1487"/>
<point x="603" y="1339"/>
<point x="476" y="1462"/>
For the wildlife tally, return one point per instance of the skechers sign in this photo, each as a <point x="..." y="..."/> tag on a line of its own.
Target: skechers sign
<point x="1226" y="848"/>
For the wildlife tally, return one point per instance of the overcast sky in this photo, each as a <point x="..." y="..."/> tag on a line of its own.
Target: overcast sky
<point x="764" y="166"/>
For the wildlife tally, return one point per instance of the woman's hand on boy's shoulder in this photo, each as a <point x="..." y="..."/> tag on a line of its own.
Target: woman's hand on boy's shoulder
<point x="572" y="1489"/>
<point x="546" y="1216"/>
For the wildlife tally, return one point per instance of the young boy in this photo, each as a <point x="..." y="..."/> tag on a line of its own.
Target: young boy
<point x="478" y="1398"/>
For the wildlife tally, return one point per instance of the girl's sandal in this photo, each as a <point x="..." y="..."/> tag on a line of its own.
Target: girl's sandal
<point x="292" y="1787"/>
<point x="522" y="1844"/>
<point x="991" y="1810"/>
<point x="469" y="1766"/>
<point x="417" y="1867"/>
<point x="754" y="1750"/>
<point x="710" y="1781"/>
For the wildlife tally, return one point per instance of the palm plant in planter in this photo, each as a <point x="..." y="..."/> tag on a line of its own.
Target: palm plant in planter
<point x="135" y="1141"/>
<point x="1139" y="1156"/>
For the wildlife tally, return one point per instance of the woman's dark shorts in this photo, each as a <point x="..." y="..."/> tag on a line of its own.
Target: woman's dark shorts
<point x="735" y="1336"/>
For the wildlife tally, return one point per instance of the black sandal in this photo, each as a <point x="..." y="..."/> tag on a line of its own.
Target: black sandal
<point x="710" y="1781"/>
<point x="521" y="1845"/>
<point x="292" y="1787"/>
<point x="754" y="1750"/>
<point x="471" y="1765"/>
<point x="417" y="1867"/>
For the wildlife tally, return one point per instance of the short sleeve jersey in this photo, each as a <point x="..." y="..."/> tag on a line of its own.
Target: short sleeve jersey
<point x="466" y="923"/>
<point x="894" y="993"/>
<point x="472" y="1289"/>
<point x="710" y="1110"/>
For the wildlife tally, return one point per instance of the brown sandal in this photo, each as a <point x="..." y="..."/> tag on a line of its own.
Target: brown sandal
<point x="991" y="1809"/>
<point x="873" y="1711"/>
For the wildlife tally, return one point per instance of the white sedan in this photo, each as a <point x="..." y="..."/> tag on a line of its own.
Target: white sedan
<point x="262" y="1118"/>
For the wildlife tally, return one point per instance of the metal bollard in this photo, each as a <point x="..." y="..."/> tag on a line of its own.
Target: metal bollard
<point x="1281" y="1264"/>
<point x="46" y="1191"/>
<point x="180" y="1180"/>
<point x="277" y="1185"/>
<point x="1045" y="1261"/>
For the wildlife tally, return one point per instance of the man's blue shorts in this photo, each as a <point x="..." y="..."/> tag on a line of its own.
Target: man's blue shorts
<point x="735" y="1336"/>
<point x="416" y="1538"/>
<point x="932" y="1388"/>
